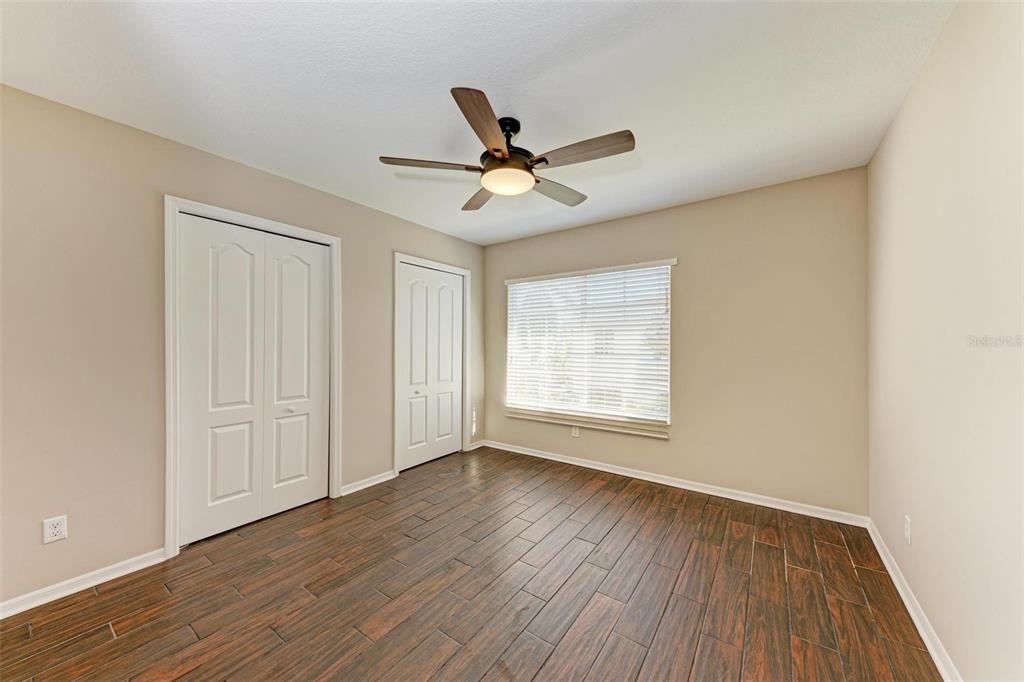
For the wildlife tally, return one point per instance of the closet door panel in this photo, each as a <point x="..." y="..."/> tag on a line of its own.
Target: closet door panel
<point x="221" y="359"/>
<point x="297" y="370"/>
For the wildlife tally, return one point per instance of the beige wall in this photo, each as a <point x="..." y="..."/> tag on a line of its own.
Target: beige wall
<point x="768" y="339"/>
<point x="946" y="417"/>
<point x="83" y="328"/>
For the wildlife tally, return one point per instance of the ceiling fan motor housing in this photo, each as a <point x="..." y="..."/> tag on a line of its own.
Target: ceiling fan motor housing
<point x="510" y="175"/>
<point x="518" y="158"/>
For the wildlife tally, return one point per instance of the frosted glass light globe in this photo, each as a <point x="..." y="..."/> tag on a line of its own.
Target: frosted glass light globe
<point x="507" y="181"/>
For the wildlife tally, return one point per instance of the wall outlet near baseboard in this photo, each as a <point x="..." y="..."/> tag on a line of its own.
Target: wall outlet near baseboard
<point x="906" y="529"/>
<point x="575" y="432"/>
<point x="55" y="529"/>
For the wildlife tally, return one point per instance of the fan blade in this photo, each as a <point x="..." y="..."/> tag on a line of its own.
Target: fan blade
<point x="477" y="200"/>
<point x="420" y="163"/>
<point x="478" y="112"/>
<point x="561" y="193"/>
<point x="588" y="150"/>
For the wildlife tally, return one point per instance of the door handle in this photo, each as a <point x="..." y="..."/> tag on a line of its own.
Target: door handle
<point x="416" y="392"/>
<point x="290" y="410"/>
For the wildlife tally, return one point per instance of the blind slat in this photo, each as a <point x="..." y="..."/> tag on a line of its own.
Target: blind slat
<point x="594" y="344"/>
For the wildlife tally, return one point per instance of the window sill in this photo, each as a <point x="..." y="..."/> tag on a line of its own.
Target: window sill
<point x="630" y="427"/>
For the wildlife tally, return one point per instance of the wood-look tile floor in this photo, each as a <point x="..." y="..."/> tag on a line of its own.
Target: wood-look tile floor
<point x="496" y="566"/>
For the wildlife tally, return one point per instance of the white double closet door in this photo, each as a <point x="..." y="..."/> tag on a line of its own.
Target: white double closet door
<point x="254" y="375"/>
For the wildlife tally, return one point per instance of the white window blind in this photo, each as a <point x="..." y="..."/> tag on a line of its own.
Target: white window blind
<point x="593" y="344"/>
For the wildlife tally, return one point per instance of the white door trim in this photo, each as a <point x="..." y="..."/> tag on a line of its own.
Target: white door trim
<point x="173" y="206"/>
<point x="467" y="408"/>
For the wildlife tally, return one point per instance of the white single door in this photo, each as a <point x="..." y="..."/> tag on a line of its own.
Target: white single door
<point x="428" y="364"/>
<point x="253" y="368"/>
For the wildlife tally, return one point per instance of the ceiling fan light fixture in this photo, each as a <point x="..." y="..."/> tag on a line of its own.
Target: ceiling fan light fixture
<point x="508" y="170"/>
<point x="507" y="181"/>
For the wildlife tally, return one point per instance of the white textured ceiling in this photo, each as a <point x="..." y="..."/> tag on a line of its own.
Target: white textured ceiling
<point x="722" y="97"/>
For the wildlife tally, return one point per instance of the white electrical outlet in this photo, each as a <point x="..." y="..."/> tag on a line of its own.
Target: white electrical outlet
<point x="575" y="432"/>
<point x="472" y="429"/>
<point x="906" y="529"/>
<point x="55" y="529"/>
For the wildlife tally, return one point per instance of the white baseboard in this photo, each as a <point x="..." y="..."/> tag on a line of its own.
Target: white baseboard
<point x="367" y="482"/>
<point x="474" y="445"/>
<point x="924" y="627"/>
<point x="753" y="498"/>
<point x="72" y="585"/>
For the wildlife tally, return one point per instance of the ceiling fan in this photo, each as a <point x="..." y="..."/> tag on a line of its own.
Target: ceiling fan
<point x="508" y="170"/>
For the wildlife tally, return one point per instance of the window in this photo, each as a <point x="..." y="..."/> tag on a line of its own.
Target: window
<point x="591" y="348"/>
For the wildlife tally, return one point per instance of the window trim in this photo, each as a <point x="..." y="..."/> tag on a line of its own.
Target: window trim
<point x="650" y="428"/>
<point x="595" y="271"/>
<point x="634" y="427"/>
